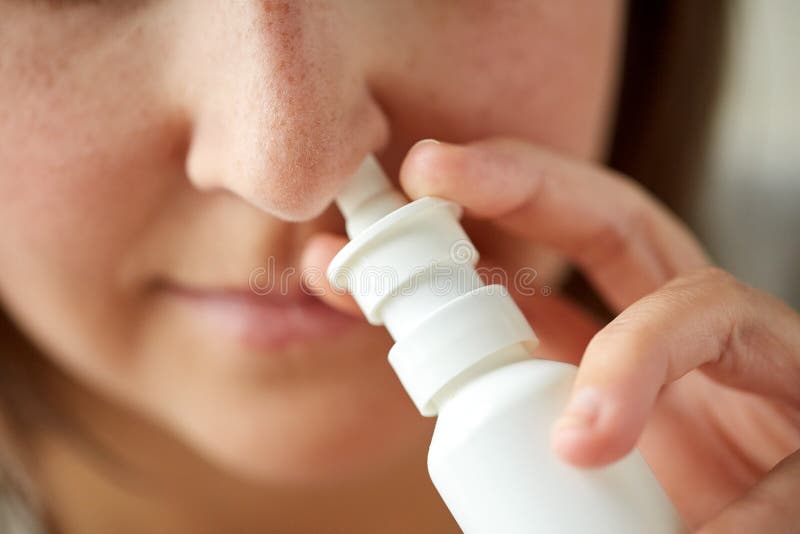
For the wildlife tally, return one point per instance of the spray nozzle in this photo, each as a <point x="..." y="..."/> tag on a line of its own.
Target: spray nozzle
<point x="367" y="197"/>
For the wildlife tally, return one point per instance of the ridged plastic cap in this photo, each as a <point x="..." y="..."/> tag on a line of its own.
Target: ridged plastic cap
<point x="411" y="267"/>
<point x="456" y="338"/>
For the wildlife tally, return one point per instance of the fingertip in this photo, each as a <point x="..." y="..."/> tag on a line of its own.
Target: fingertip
<point x="574" y="445"/>
<point x="592" y="432"/>
<point x="320" y="249"/>
<point x="428" y="168"/>
<point x="488" y="178"/>
<point x="575" y="434"/>
<point x="317" y="254"/>
<point x="315" y="258"/>
<point x="587" y="448"/>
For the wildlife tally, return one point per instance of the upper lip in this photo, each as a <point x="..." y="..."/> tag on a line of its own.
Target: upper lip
<point x="277" y="295"/>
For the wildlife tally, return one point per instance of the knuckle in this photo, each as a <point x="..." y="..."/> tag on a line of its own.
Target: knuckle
<point x="713" y="279"/>
<point x="714" y="291"/>
<point x="712" y="274"/>
<point x="636" y="331"/>
<point x="617" y="234"/>
<point x="762" y="502"/>
<point x="707" y="289"/>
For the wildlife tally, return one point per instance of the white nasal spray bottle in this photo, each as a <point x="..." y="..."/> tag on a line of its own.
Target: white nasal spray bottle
<point x="463" y="352"/>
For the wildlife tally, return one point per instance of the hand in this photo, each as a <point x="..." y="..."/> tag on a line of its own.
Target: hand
<point x="700" y="370"/>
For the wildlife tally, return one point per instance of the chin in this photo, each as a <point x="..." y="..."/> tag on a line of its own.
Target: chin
<point x="316" y="438"/>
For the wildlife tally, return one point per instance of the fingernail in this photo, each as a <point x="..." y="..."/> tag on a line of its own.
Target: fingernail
<point x="429" y="140"/>
<point x="575" y="424"/>
<point x="582" y="411"/>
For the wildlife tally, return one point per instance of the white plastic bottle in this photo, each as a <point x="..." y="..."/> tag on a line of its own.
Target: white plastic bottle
<point x="464" y="352"/>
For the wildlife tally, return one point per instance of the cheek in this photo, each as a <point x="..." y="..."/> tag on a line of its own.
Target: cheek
<point x="542" y="71"/>
<point x="66" y="232"/>
<point x="77" y="190"/>
<point x="75" y="215"/>
<point x="85" y="159"/>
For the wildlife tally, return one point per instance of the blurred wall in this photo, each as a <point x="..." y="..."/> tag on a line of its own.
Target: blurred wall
<point x="749" y="210"/>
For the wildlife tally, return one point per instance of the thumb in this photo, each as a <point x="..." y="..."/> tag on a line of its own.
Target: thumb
<point x="317" y="255"/>
<point x="770" y="506"/>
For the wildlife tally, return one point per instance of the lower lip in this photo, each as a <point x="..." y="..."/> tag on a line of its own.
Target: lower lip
<point x="266" y="322"/>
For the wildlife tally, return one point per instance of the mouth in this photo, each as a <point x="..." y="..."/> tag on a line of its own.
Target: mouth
<point x="272" y="321"/>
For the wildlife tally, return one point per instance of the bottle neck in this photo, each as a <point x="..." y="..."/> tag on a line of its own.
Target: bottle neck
<point x="411" y="266"/>
<point x="515" y="353"/>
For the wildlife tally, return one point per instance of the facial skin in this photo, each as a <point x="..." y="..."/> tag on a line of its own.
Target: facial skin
<point x="149" y="146"/>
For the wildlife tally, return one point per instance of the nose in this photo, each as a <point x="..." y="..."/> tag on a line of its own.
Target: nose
<point x="281" y="108"/>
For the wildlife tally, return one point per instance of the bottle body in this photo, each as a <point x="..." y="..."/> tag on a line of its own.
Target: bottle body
<point x="491" y="461"/>
<point x="462" y="351"/>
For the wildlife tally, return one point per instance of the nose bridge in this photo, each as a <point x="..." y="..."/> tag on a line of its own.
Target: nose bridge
<point x="287" y="115"/>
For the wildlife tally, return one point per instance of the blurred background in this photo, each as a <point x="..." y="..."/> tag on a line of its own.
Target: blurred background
<point x="748" y="212"/>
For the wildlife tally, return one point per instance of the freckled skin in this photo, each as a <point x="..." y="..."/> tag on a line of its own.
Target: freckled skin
<point x="192" y="140"/>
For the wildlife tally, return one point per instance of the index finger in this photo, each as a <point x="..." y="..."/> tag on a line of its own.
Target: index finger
<point x="625" y="241"/>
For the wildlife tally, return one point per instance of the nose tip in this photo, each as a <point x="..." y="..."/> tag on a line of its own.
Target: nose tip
<point x="296" y="174"/>
<point x="297" y="119"/>
<point x="288" y="162"/>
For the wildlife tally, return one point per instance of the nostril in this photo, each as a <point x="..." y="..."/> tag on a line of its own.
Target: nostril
<point x="292" y="189"/>
<point x="293" y="186"/>
<point x="206" y="153"/>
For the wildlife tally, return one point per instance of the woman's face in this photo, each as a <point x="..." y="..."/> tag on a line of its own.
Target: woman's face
<point x="161" y="159"/>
